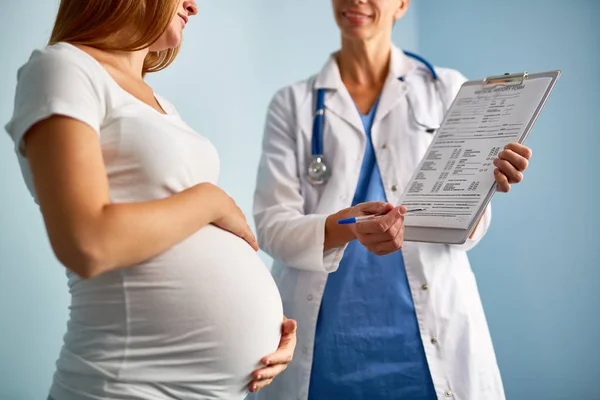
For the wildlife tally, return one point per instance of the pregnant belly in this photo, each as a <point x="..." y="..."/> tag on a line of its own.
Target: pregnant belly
<point x="204" y="313"/>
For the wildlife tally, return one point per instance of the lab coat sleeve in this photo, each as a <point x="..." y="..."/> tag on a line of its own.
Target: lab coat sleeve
<point x="283" y="230"/>
<point x="455" y="79"/>
<point x="479" y="232"/>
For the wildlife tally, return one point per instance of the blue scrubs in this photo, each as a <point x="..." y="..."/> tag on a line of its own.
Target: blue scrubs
<point x="367" y="343"/>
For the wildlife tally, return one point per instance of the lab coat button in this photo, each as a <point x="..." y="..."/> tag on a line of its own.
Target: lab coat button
<point x="448" y="393"/>
<point x="309" y="298"/>
<point x="394" y="188"/>
<point x="384" y="146"/>
<point x="433" y="340"/>
<point x="424" y="286"/>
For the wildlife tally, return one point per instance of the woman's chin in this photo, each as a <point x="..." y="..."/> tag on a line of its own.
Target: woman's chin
<point x="169" y="40"/>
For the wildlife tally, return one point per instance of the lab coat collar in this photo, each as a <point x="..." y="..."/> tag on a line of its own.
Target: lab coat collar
<point x="394" y="89"/>
<point x="339" y="102"/>
<point x="329" y="77"/>
<point x="400" y="64"/>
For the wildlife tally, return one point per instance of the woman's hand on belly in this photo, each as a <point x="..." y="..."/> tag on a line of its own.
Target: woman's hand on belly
<point x="232" y="219"/>
<point x="277" y="362"/>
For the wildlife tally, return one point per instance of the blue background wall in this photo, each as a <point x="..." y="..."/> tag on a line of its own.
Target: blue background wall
<point x="537" y="269"/>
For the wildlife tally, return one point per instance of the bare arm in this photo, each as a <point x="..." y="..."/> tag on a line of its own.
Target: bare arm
<point x="88" y="234"/>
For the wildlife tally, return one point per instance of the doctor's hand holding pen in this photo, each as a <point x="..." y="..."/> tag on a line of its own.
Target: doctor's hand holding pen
<point x="382" y="232"/>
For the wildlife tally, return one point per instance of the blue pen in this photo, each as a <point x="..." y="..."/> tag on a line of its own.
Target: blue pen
<point x="364" y="218"/>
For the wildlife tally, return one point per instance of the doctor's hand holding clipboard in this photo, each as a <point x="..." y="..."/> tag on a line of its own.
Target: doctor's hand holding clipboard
<point x="378" y="317"/>
<point x="510" y="165"/>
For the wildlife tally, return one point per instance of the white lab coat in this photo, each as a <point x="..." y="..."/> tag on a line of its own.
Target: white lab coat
<point x="290" y="217"/>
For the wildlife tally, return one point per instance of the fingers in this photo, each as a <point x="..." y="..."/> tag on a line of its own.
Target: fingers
<point x="510" y="164"/>
<point x="284" y="353"/>
<point x="388" y="241"/>
<point x="255" y="386"/>
<point x="263" y="377"/>
<point x="269" y="372"/>
<point x="381" y="224"/>
<point x="520" y="149"/>
<point x="288" y="326"/>
<point x="508" y="170"/>
<point x="243" y="232"/>
<point x="374" y="238"/>
<point x="249" y="237"/>
<point x="236" y="223"/>
<point x="253" y="243"/>
<point x="247" y="233"/>
<point x="287" y="344"/>
<point x="277" y="362"/>
<point x="502" y="184"/>
<point x="389" y="246"/>
<point x="374" y="207"/>
<point x="515" y="159"/>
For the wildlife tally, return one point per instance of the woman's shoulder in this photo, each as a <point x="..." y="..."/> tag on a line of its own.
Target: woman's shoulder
<point x="59" y="59"/>
<point x="58" y="79"/>
<point x="61" y="68"/>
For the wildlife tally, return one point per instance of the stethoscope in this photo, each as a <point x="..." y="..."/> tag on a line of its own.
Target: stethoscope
<point x="318" y="170"/>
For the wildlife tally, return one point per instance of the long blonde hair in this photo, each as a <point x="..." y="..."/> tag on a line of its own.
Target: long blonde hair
<point x="95" y="23"/>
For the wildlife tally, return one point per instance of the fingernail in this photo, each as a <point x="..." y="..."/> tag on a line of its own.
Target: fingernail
<point x="267" y="362"/>
<point x="254" y="388"/>
<point x="259" y="377"/>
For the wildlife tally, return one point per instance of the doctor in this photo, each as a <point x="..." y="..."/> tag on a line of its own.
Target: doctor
<point x="378" y="319"/>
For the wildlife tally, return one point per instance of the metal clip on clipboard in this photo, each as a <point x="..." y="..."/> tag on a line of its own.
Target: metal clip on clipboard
<point x="506" y="79"/>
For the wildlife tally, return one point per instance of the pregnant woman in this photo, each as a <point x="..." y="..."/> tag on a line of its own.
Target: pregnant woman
<point x="169" y="298"/>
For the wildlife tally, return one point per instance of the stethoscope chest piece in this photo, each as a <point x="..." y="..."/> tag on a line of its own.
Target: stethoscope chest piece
<point x="318" y="172"/>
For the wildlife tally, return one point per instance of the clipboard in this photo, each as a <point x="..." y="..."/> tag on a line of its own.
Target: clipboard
<point x="418" y="232"/>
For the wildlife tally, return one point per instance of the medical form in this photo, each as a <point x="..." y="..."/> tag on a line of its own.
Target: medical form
<point x="454" y="181"/>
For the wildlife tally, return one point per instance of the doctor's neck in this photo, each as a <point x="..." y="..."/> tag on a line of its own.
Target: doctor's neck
<point x="364" y="63"/>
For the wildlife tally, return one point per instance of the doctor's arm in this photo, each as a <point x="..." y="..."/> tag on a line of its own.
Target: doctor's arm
<point x="284" y="231"/>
